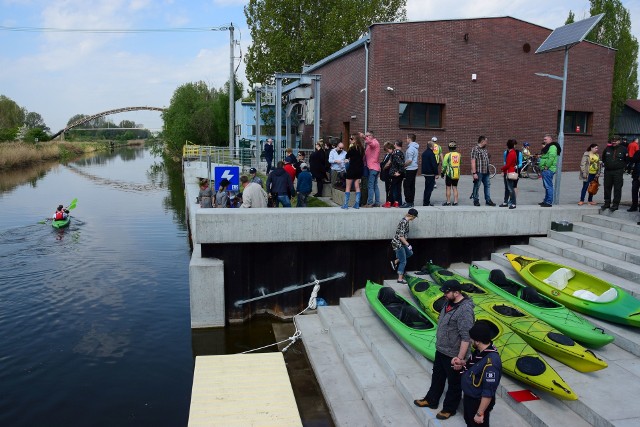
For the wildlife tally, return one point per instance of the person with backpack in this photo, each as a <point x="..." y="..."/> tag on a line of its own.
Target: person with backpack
<point x="451" y="173"/>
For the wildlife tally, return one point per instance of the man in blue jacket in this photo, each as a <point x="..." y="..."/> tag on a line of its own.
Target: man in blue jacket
<point x="304" y="185"/>
<point x="430" y="173"/>
<point x="280" y="186"/>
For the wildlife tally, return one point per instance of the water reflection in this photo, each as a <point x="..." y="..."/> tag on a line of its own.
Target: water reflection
<point x="10" y="179"/>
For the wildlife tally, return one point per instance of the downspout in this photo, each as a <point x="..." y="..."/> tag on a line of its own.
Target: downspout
<point x="366" y="85"/>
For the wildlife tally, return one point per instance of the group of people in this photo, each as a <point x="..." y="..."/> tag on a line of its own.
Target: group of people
<point x="476" y="375"/>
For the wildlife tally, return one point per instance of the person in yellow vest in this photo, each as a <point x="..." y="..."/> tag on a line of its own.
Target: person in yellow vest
<point x="451" y="173"/>
<point x="437" y="151"/>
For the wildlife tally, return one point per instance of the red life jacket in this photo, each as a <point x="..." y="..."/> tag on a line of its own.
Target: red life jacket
<point x="59" y="215"/>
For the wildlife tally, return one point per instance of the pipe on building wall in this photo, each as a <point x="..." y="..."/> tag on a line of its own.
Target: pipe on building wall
<point x="366" y="85"/>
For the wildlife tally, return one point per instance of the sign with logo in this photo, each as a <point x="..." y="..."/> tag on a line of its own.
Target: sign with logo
<point x="230" y="173"/>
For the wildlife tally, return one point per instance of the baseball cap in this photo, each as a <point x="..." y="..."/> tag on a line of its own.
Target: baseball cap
<point x="253" y="170"/>
<point x="434" y="139"/>
<point x="450" y="285"/>
<point x="303" y="165"/>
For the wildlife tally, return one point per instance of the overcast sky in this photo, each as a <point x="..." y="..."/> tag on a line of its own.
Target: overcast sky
<point x="60" y="74"/>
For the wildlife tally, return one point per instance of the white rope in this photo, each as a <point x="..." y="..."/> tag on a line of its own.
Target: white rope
<point x="297" y="334"/>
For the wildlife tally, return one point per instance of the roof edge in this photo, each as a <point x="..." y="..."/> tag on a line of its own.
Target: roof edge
<point x="348" y="48"/>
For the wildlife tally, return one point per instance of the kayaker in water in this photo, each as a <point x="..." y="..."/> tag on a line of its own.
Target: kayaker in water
<point x="481" y="378"/>
<point x="61" y="213"/>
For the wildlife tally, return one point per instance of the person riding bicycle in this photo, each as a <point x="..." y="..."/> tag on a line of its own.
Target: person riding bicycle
<point x="526" y="152"/>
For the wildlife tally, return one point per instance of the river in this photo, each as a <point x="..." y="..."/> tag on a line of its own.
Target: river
<point x="94" y="319"/>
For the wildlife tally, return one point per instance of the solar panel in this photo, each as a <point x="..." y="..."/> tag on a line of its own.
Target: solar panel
<point x="569" y="35"/>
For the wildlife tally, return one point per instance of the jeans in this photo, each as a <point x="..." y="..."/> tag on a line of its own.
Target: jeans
<point x="410" y="186"/>
<point x="372" y="188"/>
<point x="443" y="372"/>
<point x="547" y="183"/>
<point x="512" y="191"/>
<point x="585" y="186"/>
<point x="402" y="254"/>
<point x="429" y="182"/>
<point x="302" y="200"/>
<point x="284" y="201"/>
<point x="485" y="179"/>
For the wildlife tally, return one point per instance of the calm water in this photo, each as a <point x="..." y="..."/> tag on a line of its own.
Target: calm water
<point x="94" y="319"/>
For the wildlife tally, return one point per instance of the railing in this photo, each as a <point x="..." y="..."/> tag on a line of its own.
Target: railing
<point x="247" y="157"/>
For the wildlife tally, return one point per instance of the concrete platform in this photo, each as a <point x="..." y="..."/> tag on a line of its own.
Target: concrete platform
<point x="241" y="390"/>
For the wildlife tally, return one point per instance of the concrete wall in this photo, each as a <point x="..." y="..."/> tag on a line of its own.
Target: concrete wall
<point x="206" y="291"/>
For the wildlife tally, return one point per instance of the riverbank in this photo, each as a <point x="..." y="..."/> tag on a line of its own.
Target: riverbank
<point x="21" y="154"/>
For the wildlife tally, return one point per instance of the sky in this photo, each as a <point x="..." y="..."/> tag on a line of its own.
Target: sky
<point x="59" y="74"/>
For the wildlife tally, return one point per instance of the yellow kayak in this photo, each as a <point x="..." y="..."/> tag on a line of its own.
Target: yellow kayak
<point x="519" y="359"/>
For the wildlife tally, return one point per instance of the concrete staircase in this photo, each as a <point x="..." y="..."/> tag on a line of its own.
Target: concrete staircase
<point x="370" y="378"/>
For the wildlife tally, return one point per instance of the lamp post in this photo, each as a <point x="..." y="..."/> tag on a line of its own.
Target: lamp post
<point x="563" y="79"/>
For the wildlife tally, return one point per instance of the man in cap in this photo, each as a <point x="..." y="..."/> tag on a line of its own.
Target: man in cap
<point x="305" y="183"/>
<point x="253" y="177"/>
<point x="452" y="344"/>
<point x="401" y="246"/>
<point x="482" y="375"/>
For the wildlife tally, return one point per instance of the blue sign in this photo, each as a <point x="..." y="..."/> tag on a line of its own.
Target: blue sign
<point x="231" y="173"/>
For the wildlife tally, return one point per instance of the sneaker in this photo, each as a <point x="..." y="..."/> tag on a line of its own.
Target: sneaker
<point x="446" y="204"/>
<point x="454" y="204"/>
<point x="404" y="282"/>
<point x="604" y="207"/>
<point x="435" y="185"/>
<point x="504" y="205"/>
<point x="317" y="195"/>
<point x="406" y="205"/>
<point x="632" y="209"/>
<point x="545" y="205"/>
<point x="396" y="204"/>
<point x="424" y="403"/>
<point x="375" y="205"/>
<point x="445" y="415"/>
<point x="613" y="208"/>
<point x="512" y="207"/>
<point x="476" y="203"/>
<point x="387" y="205"/>
<point x="490" y="203"/>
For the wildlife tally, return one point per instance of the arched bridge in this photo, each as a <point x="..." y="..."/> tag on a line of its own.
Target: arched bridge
<point x="104" y="113"/>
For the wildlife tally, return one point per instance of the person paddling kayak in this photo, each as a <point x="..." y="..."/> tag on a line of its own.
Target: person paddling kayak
<point x="61" y="213"/>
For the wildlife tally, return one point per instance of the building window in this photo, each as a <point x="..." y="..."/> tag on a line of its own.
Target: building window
<point x="420" y="115"/>
<point x="252" y="130"/>
<point x="576" y="122"/>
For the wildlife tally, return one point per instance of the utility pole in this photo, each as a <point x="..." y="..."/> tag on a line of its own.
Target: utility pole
<point x="232" y="86"/>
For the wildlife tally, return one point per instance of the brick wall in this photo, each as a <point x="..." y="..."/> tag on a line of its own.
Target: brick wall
<point x="432" y="62"/>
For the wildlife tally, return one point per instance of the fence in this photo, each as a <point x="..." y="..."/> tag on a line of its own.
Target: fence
<point x="246" y="157"/>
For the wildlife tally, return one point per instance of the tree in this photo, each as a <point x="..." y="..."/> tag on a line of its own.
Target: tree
<point x="614" y="30"/>
<point x="11" y="118"/>
<point x="288" y="34"/>
<point x="571" y="18"/>
<point x="127" y="124"/>
<point x="199" y="115"/>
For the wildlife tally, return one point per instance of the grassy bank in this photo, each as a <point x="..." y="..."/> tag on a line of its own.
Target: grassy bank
<point x="20" y="154"/>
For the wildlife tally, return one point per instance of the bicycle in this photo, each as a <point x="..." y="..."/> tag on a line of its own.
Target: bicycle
<point x="530" y="168"/>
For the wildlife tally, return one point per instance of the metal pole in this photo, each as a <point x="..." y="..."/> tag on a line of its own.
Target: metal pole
<point x="231" y="89"/>
<point x="316" y="109"/>
<point x="277" y="152"/>
<point x="556" y="187"/>
<point x="258" y="108"/>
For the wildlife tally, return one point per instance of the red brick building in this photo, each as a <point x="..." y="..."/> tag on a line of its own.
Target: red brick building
<point x="458" y="79"/>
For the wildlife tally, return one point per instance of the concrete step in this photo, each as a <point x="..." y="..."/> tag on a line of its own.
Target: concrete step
<point x="593" y="406"/>
<point x="548" y="411"/>
<point x="617" y="267"/>
<point x="625" y="222"/>
<point x="342" y="396"/>
<point x="621" y="215"/>
<point x="597" y="244"/>
<point x="386" y="405"/>
<point x="626" y="337"/>
<point x="630" y="240"/>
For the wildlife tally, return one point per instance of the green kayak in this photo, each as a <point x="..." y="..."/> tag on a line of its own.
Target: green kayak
<point x="581" y="292"/>
<point x="537" y="333"/>
<point x="542" y="307"/>
<point x="61" y="223"/>
<point x="406" y="320"/>
<point x="519" y="359"/>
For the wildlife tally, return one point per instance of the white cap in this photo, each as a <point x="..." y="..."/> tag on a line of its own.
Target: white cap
<point x="434" y="139"/>
<point x="303" y="165"/>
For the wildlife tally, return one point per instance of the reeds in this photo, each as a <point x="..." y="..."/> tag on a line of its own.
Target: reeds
<point x="17" y="154"/>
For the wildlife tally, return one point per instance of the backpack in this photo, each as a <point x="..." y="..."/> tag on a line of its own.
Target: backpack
<point x="518" y="160"/>
<point x="452" y="162"/>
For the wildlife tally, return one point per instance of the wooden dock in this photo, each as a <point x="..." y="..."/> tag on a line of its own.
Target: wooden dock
<point x="242" y="390"/>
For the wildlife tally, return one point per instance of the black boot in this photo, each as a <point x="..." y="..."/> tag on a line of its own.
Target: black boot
<point x="632" y="209"/>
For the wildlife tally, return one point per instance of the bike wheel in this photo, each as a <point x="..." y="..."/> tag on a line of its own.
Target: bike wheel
<point x="492" y="170"/>
<point x="534" y="172"/>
